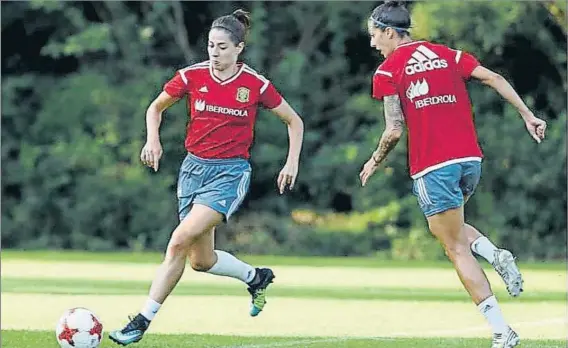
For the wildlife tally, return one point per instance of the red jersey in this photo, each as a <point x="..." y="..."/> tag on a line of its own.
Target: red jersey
<point x="430" y="80"/>
<point x="222" y="113"/>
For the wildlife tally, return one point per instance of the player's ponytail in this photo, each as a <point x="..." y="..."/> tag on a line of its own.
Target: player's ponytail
<point x="237" y="24"/>
<point x="392" y="14"/>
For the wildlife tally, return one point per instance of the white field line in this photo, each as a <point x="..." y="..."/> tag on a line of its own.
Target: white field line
<point x="306" y="342"/>
<point x="301" y="343"/>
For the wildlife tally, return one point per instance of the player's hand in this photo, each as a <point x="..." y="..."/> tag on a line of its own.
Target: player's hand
<point x="287" y="176"/>
<point x="151" y="154"/>
<point x="368" y="170"/>
<point x="536" y="128"/>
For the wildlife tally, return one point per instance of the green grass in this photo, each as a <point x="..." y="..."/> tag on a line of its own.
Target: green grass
<point x="437" y="307"/>
<point x="153" y="257"/>
<point x="27" y="339"/>
<point x="113" y="287"/>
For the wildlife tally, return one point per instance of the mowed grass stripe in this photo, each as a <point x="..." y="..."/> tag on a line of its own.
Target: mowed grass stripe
<point x="290" y="317"/>
<point x="329" y="277"/>
<point x="300" y="261"/>
<point x="110" y="287"/>
<point x="26" y="339"/>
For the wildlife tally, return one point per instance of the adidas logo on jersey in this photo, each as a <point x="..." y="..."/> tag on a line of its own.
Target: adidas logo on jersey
<point x="418" y="89"/>
<point x="201" y="106"/>
<point x="423" y="59"/>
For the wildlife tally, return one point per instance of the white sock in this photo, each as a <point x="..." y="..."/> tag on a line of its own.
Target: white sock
<point x="229" y="266"/>
<point x="491" y="311"/>
<point x="484" y="248"/>
<point x="150" y="309"/>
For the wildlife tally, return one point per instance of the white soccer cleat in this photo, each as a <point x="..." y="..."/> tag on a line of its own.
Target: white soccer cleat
<point x="509" y="339"/>
<point x="506" y="267"/>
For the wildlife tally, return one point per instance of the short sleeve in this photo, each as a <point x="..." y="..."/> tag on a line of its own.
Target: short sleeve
<point x="177" y="86"/>
<point x="269" y="96"/>
<point x="383" y="84"/>
<point x="466" y="63"/>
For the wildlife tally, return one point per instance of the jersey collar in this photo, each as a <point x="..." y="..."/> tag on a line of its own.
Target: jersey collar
<point x="230" y="79"/>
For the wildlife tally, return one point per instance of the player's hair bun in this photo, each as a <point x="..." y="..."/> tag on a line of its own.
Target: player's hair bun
<point x="393" y="3"/>
<point x="391" y="13"/>
<point x="243" y="17"/>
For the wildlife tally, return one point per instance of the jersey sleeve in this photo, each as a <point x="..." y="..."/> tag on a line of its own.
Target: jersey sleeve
<point x="383" y="84"/>
<point x="466" y="63"/>
<point x="269" y="96"/>
<point x="177" y="87"/>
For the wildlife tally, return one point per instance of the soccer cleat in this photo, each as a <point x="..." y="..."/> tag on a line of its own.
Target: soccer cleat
<point x="133" y="331"/>
<point x="506" y="267"/>
<point x="258" y="290"/>
<point x="509" y="339"/>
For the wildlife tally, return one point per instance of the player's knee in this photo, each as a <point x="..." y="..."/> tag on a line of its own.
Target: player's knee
<point x="176" y="250"/>
<point x="179" y="244"/>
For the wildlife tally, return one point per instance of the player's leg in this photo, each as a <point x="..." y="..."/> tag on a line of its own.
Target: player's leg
<point x="204" y="258"/>
<point x="441" y="200"/>
<point x="200" y="220"/>
<point x="502" y="260"/>
<point x="191" y="178"/>
<point x="225" y="193"/>
<point x="480" y="244"/>
<point x="448" y="228"/>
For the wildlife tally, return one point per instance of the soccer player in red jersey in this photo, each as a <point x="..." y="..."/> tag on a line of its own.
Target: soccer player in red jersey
<point x="423" y="86"/>
<point x="223" y="96"/>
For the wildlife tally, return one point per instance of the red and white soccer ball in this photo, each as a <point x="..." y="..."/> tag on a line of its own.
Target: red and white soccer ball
<point x="79" y="328"/>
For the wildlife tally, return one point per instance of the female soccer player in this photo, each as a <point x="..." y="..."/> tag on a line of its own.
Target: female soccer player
<point x="423" y="88"/>
<point x="223" y="96"/>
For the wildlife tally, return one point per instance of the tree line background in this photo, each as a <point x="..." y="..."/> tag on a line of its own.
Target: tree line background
<point x="77" y="78"/>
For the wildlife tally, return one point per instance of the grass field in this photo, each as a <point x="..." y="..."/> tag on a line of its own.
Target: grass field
<point x="315" y="302"/>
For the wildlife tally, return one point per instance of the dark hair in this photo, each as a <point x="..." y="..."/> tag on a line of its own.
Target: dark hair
<point x="392" y="14"/>
<point x="237" y="24"/>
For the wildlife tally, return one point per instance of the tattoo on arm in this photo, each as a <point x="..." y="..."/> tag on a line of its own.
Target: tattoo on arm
<point x="394" y="119"/>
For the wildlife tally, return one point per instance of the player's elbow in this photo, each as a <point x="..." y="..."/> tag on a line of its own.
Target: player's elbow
<point x="154" y="110"/>
<point x="297" y="123"/>
<point x="293" y="120"/>
<point x="394" y="132"/>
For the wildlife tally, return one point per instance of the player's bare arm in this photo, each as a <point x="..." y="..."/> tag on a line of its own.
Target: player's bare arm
<point x="535" y="125"/>
<point x="394" y="126"/>
<point x="288" y="115"/>
<point x="152" y="150"/>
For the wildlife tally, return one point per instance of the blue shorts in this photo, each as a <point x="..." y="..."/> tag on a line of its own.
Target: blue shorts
<point x="445" y="188"/>
<point x="220" y="184"/>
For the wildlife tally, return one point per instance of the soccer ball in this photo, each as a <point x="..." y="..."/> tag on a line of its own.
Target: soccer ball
<point x="79" y="328"/>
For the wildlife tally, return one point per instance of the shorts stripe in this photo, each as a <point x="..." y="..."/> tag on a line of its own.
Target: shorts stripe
<point x="241" y="192"/>
<point x="422" y="192"/>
